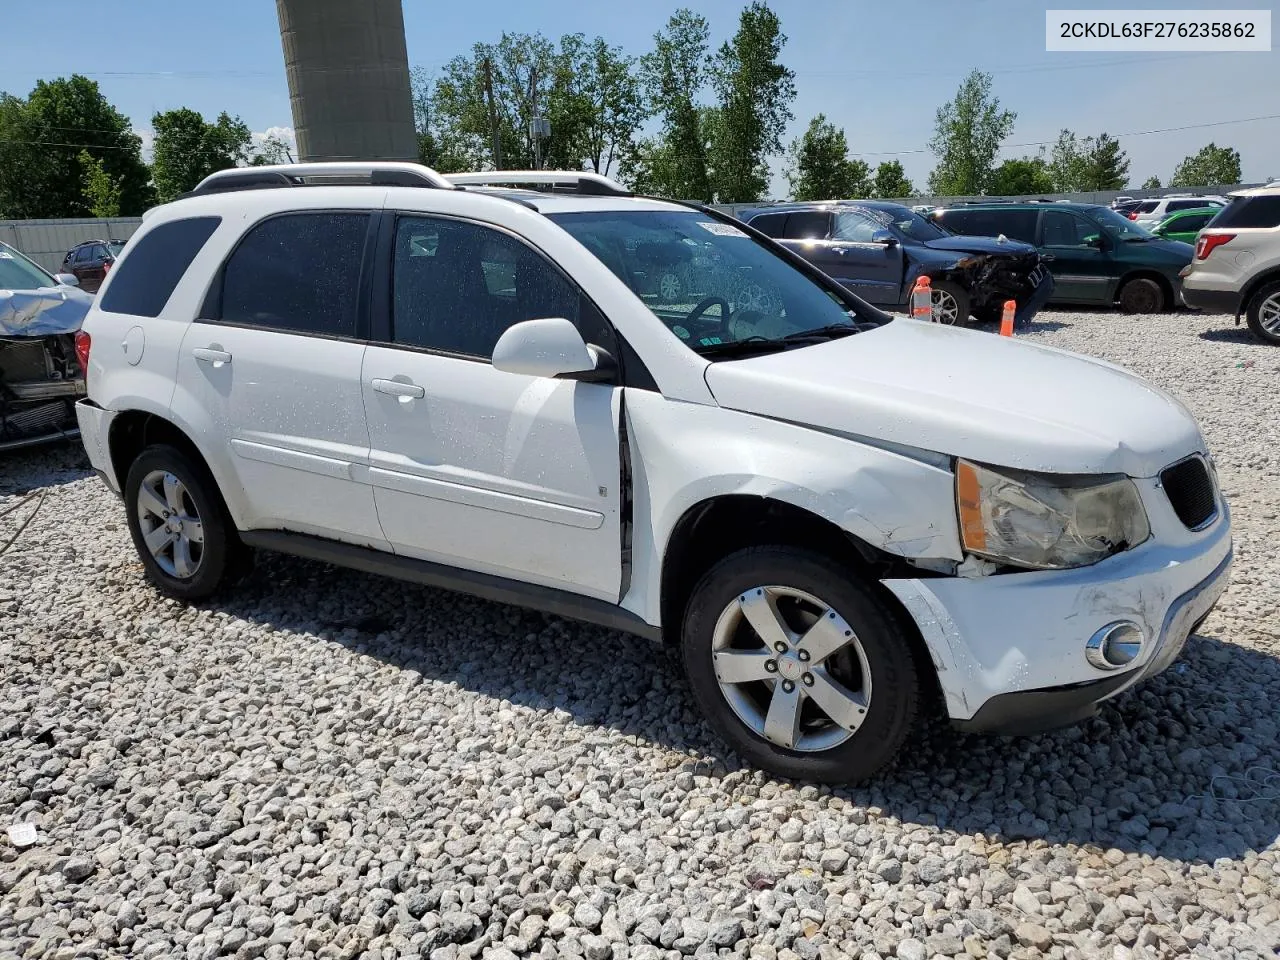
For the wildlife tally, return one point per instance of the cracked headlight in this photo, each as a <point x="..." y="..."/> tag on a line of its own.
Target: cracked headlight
<point x="1045" y="522"/>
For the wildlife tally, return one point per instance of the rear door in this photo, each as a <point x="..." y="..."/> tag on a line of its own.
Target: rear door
<point x="1083" y="271"/>
<point x="510" y="475"/>
<point x="273" y="359"/>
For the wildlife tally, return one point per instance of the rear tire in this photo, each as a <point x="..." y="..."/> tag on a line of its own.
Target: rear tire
<point x="1263" y="313"/>
<point x="845" y="695"/>
<point x="1142" y="295"/>
<point x="180" y="526"/>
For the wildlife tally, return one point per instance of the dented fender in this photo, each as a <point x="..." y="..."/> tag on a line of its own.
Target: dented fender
<point x="684" y="454"/>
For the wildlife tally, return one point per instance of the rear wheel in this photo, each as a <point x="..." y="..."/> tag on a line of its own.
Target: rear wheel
<point x="950" y="303"/>
<point x="1264" y="313"/>
<point x="179" y="524"/>
<point x="1142" y="295"/>
<point x="798" y="666"/>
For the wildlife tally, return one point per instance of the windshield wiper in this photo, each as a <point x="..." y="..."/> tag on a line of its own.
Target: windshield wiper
<point x="743" y="347"/>
<point x="1138" y="239"/>
<point x="822" y="333"/>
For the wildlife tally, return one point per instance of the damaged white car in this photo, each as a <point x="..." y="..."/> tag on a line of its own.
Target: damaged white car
<point x="836" y="516"/>
<point x="40" y="375"/>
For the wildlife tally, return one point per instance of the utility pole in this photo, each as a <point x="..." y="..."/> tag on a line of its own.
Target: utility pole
<point x="493" y="115"/>
<point x="536" y="124"/>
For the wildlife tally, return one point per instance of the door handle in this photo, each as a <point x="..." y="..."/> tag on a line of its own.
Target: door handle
<point x="840" y="250"/>
<point x="398" y="388"/>
<point x="209" y="355"/>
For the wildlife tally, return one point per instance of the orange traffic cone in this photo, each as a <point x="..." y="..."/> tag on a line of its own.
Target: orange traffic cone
<point x="1006" y="319"/>
<point x="922" y="299"/>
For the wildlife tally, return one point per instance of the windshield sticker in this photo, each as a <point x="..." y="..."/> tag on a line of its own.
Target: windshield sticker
<point x="5" y="256"/>
<point x="709" y="341"/>
<point x="680" y="332"/>
<point x="720" y="229"/>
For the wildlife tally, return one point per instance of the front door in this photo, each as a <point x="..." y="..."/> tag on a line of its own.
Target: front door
<point x="871" y="268"/>
<point x="510" y="475"/>
<point x="1082" y="268"/>
<point x="273" y="365"/>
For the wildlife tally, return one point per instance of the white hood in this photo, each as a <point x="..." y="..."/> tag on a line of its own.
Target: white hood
<point x="970" y="394"/>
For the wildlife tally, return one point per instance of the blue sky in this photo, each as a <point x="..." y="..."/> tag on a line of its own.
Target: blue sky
<point x="877" y="69"/>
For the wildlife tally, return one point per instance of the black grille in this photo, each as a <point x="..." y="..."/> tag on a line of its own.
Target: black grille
<point x="1190" y="491"/>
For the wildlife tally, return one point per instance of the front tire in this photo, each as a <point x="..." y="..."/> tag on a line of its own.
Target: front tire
<point x="179" y="525"/>
<point x="801" y="668"/>
<point x="1142" y="295"/>
<point x="1263" y="313"/>
<point x="950" y="303"/>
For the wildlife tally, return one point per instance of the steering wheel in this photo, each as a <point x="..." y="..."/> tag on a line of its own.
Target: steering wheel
<point x="705" y="304"/>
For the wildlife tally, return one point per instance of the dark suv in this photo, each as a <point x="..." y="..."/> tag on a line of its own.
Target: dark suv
<point x="878" y="250"/>
<point x="91" y="260"/>
<point x="1097" y="255"/>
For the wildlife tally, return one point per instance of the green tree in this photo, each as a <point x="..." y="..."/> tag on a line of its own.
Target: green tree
<point x="1019" y="177"/>
<point x="891" y="181"/>
<point x="271" y="151"/>
<point x="43" y="139"/>
<point x="1213" y="165"/>
<point x="821" y="168"/>
<point x="603" y="100"/>
<point x="188" y="148"/>
<point x="968" y="131"/>
<point x="674" y="163"/>
<point x="443" y="144"/>
<point x="1151" y="183"/>
<point x="1108" y="165"/>
<point x="1088" y="163"/>
<point x="755" y="93"/>
<point x="100" y="191"/>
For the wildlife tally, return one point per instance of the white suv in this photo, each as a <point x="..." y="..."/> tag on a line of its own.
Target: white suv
<point x="837" y="516"/>
<point x="1236" y="268"/>
<point x="1148" y="213"/>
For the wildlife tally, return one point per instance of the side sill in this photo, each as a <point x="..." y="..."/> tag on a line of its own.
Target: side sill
<point x="560" y="603"/>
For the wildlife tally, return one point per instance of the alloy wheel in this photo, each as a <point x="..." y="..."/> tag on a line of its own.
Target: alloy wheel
<point x="791" y="668"/>
<point x="171" y="525"/>
<point x="945" y="308"/>
<point x="1269" y="314"/>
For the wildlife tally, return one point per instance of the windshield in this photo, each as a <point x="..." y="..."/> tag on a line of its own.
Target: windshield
<point x="19" y="273"/>
<point x="1120" y="226"/>
<point x="710" y="283"/>
<point x="114" y="248"/>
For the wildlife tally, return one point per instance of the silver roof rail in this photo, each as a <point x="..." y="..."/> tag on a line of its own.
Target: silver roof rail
<point x="378" y="173"/>
<point x="580" y="182"/>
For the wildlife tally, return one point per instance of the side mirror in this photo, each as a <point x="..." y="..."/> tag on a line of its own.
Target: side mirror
<point x="67" y="279"/>
<point x="885" y="237"/>
<point x="1097" y="241"/>
<point x="550" y="347"/>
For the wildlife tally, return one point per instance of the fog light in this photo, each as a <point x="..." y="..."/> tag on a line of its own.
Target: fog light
<point x="1114" y="646"/>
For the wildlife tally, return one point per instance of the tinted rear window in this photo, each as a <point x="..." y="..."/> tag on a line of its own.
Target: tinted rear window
<point x="145" y="279"/>
<point x="1250" y="212"/>
<point x="297" y="272"/>
<point x="770" y="224"/>
<point x="808" y="225"/>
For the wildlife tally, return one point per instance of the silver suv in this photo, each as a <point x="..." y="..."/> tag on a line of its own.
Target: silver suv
<point x="1237" y="263"/>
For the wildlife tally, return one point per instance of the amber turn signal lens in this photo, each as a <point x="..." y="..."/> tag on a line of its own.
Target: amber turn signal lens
<point x="973" y="531"/>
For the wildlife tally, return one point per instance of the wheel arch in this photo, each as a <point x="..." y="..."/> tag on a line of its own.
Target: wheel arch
<point x="1257" y="283"/>
<point x="720" y="525"/>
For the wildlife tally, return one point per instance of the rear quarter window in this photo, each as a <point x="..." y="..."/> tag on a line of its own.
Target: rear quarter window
<point x="770" y="224"/>
<point x="1249" y="212"/>
<point x="143" y="282"/>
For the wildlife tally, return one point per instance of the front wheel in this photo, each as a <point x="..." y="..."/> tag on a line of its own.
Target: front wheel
<point x="950" y="303"/>
<point x="799" y="666"/>
<point x="1264" y="313"/>
<point x="1142" y="295"/>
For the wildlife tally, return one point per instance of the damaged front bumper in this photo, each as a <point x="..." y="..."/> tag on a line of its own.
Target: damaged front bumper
<point x="1011" y="650"/>
<point x="40" y="383"/>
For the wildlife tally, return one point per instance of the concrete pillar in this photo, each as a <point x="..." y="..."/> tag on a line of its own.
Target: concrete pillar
<point x="348" y="73"/>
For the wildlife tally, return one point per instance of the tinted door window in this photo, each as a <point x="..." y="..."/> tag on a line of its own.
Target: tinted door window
<point x="808" y="225"/>
<point x="1063" y="229"/>
<point x="145" y="279"/>
<point x="1195" y="221"/>
<point x="1175" y="205"/>
<point x="474" y="284"/>
<point x="770" y="224"/>
<point x="98" y="252"/>
<point x="299" y="272"/>
<point x="1250" y="212"/>
<point x="1015" y="224"/>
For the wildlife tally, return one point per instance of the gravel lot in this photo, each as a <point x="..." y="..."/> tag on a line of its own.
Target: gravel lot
<point x="332" y="765"/>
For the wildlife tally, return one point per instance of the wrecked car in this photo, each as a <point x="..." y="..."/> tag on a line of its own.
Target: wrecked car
<point x="878" y="250"/>
<point x="40" y="375"/>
